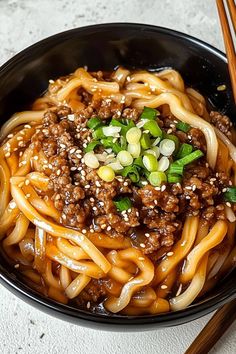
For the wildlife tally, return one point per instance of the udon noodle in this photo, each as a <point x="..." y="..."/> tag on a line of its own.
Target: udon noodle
<point x="117" y="192"/>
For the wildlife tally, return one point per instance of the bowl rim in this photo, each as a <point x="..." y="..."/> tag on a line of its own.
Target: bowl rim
<point x="115" y="322"/>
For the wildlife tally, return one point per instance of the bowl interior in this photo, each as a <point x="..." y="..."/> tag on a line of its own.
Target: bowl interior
<point x="103" y="47"/>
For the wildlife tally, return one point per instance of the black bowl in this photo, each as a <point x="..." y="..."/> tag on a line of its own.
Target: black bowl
<point x="25" y="77"/>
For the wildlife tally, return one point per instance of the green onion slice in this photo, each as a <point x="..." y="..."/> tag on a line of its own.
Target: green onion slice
<point x="175" y="139"/>
<point x="149" y="113"/>
<point x="98" y="133"/>
<point x="230" y="195"/>
<point x="123" y="203"/>
<point x="131" y="172"/>
<point x="94" y="123"/>
<point x="176" y="168"/>
<point x="190" y="158"/>
<point x="109" y="143"/>
<point x="156" y="178"/>
<point x="150" y="162"/>
<point x="145" y="141"/>
<point x="184" y="150"/>
<point x="171" y="178"/>
<point x="184" y="127"/>
<point x="153" y="128"/>
<point x="91" y="146"/>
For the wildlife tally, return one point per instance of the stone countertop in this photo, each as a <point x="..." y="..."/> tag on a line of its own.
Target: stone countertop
<point x="24" y="329"/>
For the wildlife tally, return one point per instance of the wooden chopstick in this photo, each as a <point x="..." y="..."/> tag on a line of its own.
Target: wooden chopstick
<point x="232" y="12"/>
<point x="214" y="329"/>
<point x="226" y="315"/>
<point x="229" y="46"/>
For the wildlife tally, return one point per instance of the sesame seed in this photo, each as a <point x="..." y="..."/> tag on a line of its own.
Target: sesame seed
<point x="230" y="183"/>
<point x="91" y="230"/>
<point x="129" y="210"/>
<point x="97" y="190"/>
<point x="27" y="126"/>
<point x="58" y="172"/>
<point x="27" y="182"/>
<point x="103" y="226"/>
<point x="94" y="208"/>
<point x="123" y="212"/>
<point x="169" y="254"/>
<point x="51" y="81"/>
<point x="45" y="167"/>
<point x="228" y="204"/>
<point x="169" y="131"/>
<point x="224" y="190"/>
<point x="35" y="158"/>
<point x="85" y="145"/>
<point x="63" y="146"/>
<point x="126" y="184"/>
<point x="126" y="219"/>
<point x="57" y="197"/>
<point x="187" y="197"/>
<point x="83" y="173"/>
<point x="155" y="202"/>
<point x="141" y="258"/>
<point x="20" y="185"/>
<point x="79" y="156"/>
<point x="207" y="164"/>
<point x="19" y="138"/>
<point x="144" y="183"/>
<point x="101" y="203"/>
<point x="137" y="213"/>
<point x="87" y="186"/>
<point x="188" y="187"/>
<point x="88" y="305"/>
<point x="27" y="195"/>
<point x="217" y="174"/>
<point x="84" y="231"/>
<point x="157" y="188"/>
<point x="71" y="117"/>
<point x="73" y="168"/>
<point x="163" y="286"/>
<point x="163" y="188"/>
<point x="98" y="184"/>
<point x="142" y="245"/>
<point x="194" y="187"/>
<point x="10" y="136"/>
<point x="72" y="150"/>
<point x="189" y="137"/>
<point x="7" y="154"/>
<point x="92" y="200"/>
<point x="108" y="228"/>
<point x="63" y="216"/>
<point x="147" y="234"/>
<point x="16" y="265"/>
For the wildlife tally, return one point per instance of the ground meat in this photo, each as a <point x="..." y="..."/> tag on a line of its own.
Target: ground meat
<point x="87" y="203"/>
<point x="221" y="122"/>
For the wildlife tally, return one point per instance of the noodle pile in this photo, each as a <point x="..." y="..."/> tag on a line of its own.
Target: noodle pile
<point x="60" y="262"/>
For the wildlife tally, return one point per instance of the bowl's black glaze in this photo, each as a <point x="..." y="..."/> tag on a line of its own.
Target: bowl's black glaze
<point x="25" y="77"/>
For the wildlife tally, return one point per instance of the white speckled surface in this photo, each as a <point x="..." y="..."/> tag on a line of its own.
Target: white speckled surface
<point x="23" y="22"/>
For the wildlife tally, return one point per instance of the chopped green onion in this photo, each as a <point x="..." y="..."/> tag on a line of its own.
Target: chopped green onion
<point x="133" y="135"/>
<point x="91" y="160"/>
<point x="131" y="172"/>
<point x="123" y="142"/>
<point x="153" y="128"/>
<point x="145" y="141"/>
<point x="149" y="113"/>
<point x="184" y="127"/>
<point x="125" y="158"/>
<point x="124" y="127"/>
<point x="154" y="151"/>
<point x="190" y="158"/>
<point x="134" y="150"/>
<point x="163" y="164"/>
<point x="109" y="143"/>
<point x="184" y="150"/>
<point x="176" y="168"/>
<point x="115" y="165"/>
<point x="128" y="122"/>
<point x="230" y="195"/>
<point x="150" y="162"/>
<point x="91" y="146"/>
<point x="175" y="139"/>
<point x="173" y="178"/>
<point x="167" y="147"/>
<point x="123" y="203"/>
<point x="98" y="133"/>
<point x="139" y="162"/>
<point x="156" y="178"/>
<point x="106" y="173"/>
<point x="111" y="131"/>
<point x="94" y="123"/>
